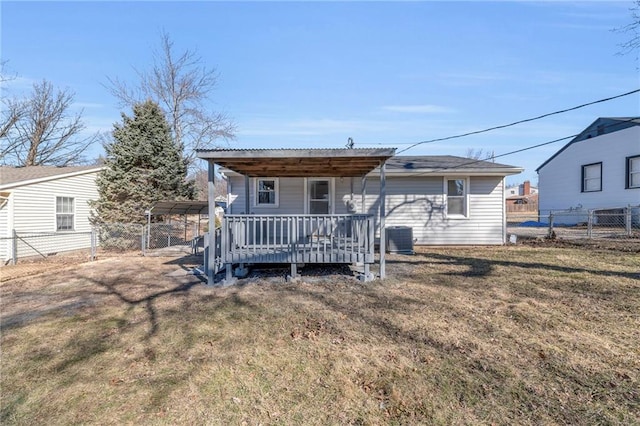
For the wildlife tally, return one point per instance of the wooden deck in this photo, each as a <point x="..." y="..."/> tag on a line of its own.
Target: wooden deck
<point x="294" y="239"/>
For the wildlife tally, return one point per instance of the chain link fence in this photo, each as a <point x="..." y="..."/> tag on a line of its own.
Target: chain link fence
<point x="162" y="235"/>
<point x="23" y="245"/>
<point x="578" y="224"/>
<point x="106" y="238"/>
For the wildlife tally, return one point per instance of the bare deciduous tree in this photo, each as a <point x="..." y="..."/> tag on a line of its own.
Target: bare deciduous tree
<point x="633" y="44"/>
<point x="182" y="87"/>
<point x="479" y="154"/>
<point x="12" y="109"/>
<point x="201" y="180"/>
<point x="44" y="132"/>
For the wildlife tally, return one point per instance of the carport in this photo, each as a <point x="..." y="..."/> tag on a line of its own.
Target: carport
<point x="183" y="209"/>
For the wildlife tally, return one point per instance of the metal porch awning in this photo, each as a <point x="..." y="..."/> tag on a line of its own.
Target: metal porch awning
<point x="299" y="162"/>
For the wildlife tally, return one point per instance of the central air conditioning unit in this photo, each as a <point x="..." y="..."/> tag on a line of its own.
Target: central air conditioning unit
<point x="399" y="239"/>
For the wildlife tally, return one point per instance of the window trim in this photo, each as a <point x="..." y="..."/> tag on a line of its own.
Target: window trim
<point x="465" y="197"/>
<point x="276" y="190"/>
<point x="582" y="185"/>
<point x="627" y="171"/>
<point x="58" y="214"/>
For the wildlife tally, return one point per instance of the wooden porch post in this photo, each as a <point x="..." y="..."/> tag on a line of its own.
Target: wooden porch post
<point x="383" y="213"/>
<point x="363" y="195"/>
<point x="363" y="192"/>
<point x="211" y="196"/>
<point x="247" y="204"/>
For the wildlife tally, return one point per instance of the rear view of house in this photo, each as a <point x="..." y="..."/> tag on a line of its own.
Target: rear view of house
<point x="47" y="208"/>
<point x="334" y="205"/>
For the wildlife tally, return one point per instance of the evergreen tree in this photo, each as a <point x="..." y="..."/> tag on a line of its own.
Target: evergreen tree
<point x="143" y="166"/>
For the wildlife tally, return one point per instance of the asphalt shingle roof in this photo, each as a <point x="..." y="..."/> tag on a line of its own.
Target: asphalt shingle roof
<point x="9" y="175"/>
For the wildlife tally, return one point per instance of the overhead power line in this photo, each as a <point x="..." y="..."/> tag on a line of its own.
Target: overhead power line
<point x="470" y="162"/>
<point x="517" y="122"/>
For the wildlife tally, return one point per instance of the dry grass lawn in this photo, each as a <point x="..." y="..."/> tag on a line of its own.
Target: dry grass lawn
<point x="504" y="335"/>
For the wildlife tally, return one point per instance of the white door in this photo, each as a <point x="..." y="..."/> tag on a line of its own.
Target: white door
<point x="318" y="196"/>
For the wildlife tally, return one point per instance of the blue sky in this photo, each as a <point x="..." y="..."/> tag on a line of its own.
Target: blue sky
<point x="312" y="74"/>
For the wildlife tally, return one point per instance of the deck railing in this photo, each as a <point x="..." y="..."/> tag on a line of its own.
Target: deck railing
<point x="297" y="238"/>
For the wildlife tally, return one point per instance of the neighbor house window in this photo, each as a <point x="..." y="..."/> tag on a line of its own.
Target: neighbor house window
<point x="592" y="177"/>
<point x="267" y="192"/>
<point x="633" y="172"/>
<point x="456" y="197"/>
<point x="64" y="214"/>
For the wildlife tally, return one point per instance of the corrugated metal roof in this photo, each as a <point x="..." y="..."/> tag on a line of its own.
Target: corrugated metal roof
<point x="314" y="162"/>
<point x="180" y="207"/>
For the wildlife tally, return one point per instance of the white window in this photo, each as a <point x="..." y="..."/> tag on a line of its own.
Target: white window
<point x="592" y="177"/>
<point x="266" y="192"/>
<point x="456" y="190"/>
<point x="64" y="214"/>
<point x="633" y="172"/>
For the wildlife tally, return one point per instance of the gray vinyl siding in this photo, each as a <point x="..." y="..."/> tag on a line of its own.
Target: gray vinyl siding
<point x="290" y="197"/>
<point x="418" y="202"/>
<point x="34" y="212"/>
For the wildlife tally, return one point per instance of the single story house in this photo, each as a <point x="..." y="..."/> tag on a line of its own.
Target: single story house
<point x="597" y="170"/>
<point x="47" y="203"/>
<point x="333" y="205"/>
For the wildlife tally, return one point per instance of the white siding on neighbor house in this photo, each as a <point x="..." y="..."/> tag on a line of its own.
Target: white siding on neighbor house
<point x="33" y="211"/>
<point x="560" y="180"/>
<point x="417" y="202"/>
<point x="5" y="231"/>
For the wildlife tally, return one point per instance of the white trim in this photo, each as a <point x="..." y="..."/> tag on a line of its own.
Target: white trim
<point x="445" y="189"/>
<point x="55" y="213"/>
<point x="276" y="191"/>
<point x="504" y="213"/>
<point x="630" y="173"/>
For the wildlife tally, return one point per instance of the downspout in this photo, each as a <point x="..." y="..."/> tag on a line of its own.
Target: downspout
<point x="504" y="214"/>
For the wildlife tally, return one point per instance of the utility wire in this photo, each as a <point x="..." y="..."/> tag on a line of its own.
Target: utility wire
<point x="518" y="122"/>
<point x="520" y="150"/>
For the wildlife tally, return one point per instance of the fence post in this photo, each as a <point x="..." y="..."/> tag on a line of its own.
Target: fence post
<point x="550" y="232"/>
<point x="143" y="240"/>
<point x="14" y="247"/>
<point x="93" y="243"/>
<point x="627" y="219"/>
<point x="590" y="224"/>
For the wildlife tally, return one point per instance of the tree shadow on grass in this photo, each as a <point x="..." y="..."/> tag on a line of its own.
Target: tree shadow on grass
<point x="477" y="266"/>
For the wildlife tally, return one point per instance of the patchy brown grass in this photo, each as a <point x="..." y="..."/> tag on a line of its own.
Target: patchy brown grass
<point x="506" y="335"/>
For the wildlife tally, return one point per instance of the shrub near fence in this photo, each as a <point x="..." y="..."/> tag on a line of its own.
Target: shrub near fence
<point x="120" y="236"/>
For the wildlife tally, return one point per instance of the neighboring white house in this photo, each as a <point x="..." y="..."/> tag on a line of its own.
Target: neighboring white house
<point x="50" y="204"/>
<point x="444" y="199"/>
<point x="598" y="169"/>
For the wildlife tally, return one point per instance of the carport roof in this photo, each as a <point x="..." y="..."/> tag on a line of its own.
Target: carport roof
<point x="299" y="162"/>
<point x="179" y="207"/>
